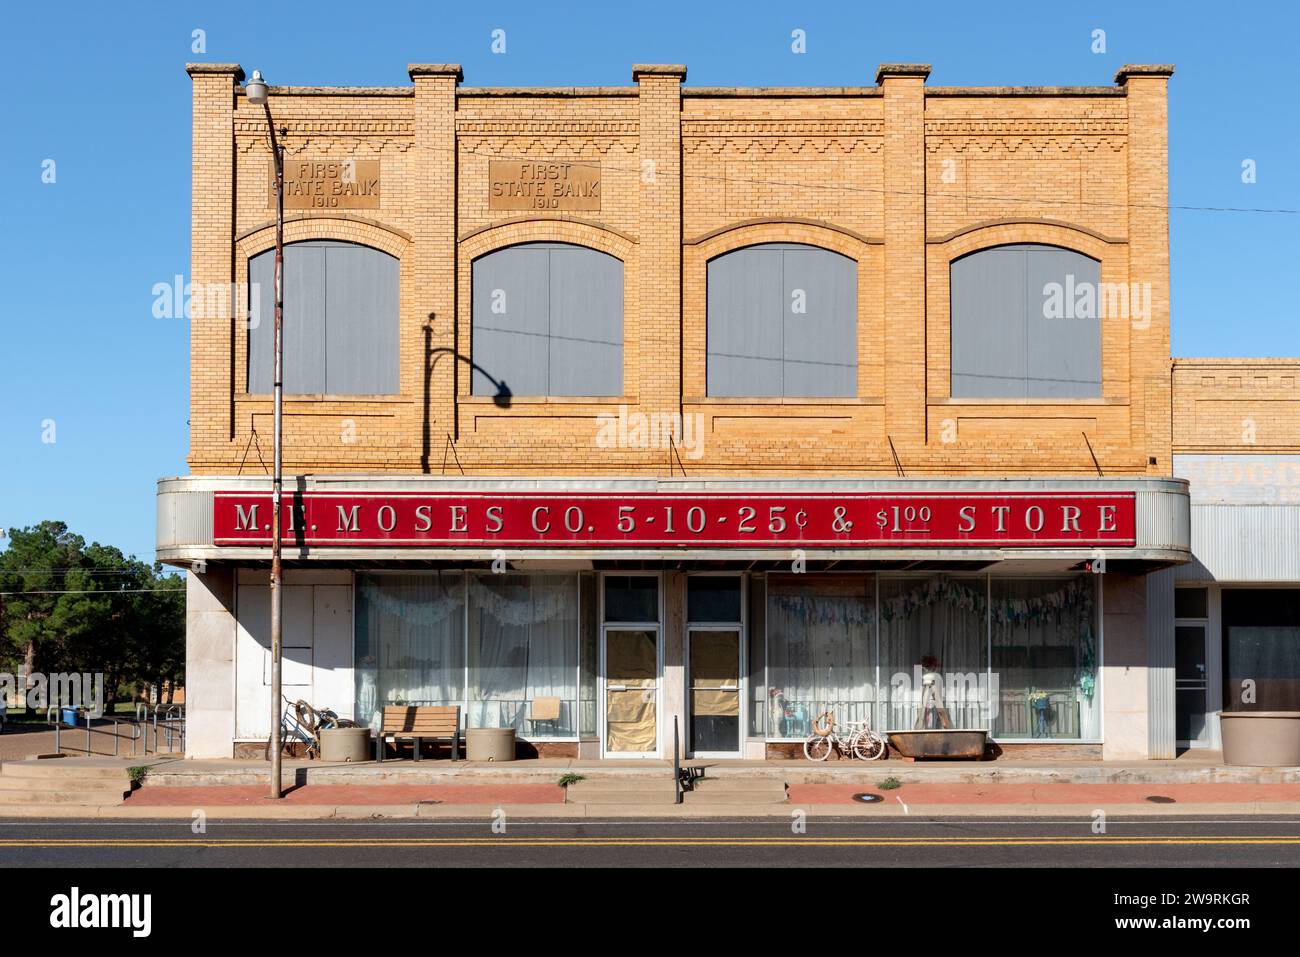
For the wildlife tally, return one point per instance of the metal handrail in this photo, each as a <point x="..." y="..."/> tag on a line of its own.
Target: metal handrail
<point x="117" y="737"/>
<point x="172" y="719"/>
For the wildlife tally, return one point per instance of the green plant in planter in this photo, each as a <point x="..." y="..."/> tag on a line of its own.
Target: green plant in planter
<point x="890" y="784"/>
<point x="571" y="778"/>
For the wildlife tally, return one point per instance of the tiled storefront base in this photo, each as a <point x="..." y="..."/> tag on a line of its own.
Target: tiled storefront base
<point x="256" y="750"/>
<point x="1035" y="751"/>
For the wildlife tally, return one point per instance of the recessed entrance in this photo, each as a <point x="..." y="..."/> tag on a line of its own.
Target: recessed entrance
<point x="715" y="665"/>
<point x="1191" y="678"/>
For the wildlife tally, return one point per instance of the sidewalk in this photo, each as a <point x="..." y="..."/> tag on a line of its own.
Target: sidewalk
<point x="176" y="789"/>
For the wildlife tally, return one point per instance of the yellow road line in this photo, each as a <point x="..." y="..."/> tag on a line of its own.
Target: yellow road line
<point x="649" y="842"/>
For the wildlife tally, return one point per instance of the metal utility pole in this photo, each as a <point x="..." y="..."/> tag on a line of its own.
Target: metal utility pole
<point x="257" y="93"/>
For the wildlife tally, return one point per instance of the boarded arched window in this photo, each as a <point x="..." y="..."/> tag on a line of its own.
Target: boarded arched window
<point x="340" y="320"/>
<point x="1026" y="323"/>
<point x="782" y="321"/>
<point x="547" y="321"/>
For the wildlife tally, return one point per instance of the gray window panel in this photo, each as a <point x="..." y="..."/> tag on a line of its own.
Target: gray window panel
<point x="820" y="343"/>
<point x="261" y="345"/>
<point x="1063" y="354"/>
<point x="757" y="344"/>
<point x="304" y="319"/>
<point x="586" y="312"/>
<point x="745" y="304"/>
<point x="820" y="380"/>
<point x="744" y="324"/>
<point x="512" y="290"/>
<point x="340" y="320"/>
<point x="516" y="362"/>
<point x="361" y="287"/>
<point x="742" y="376"/>
<point x="1004" y="345"/>
<point x="988" y="324"/>
<point x="562" y="329"/>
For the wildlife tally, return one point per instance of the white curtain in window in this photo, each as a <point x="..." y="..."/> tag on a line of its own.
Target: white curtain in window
<point x="410" y="641"/>
<point x="1045" y="657"/>
<point x="821" y="651"/>
<point x="523" y="645"/>
<point x="935" y="624"/>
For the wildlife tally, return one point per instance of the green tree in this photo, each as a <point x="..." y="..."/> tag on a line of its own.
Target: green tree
<point x="69" y="606"/>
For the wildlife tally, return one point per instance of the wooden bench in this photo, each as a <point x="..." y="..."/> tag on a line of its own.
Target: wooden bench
<point x="440" y="722"/>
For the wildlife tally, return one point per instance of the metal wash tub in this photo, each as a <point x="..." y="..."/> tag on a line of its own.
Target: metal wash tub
<point x="957" y="743"/>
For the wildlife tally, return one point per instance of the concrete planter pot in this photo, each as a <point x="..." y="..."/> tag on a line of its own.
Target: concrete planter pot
<point x="1261" y="739"/>
<point x="490" y="744"/>
<point x="345" y="744"/>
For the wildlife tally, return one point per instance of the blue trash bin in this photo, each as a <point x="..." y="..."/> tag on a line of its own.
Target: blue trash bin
<point x="68" y="715"/>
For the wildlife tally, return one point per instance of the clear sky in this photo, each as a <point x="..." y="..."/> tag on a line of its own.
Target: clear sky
<point x="100" y="89"/>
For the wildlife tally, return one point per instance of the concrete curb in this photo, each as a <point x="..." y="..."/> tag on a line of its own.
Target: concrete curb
<point x="207" y="774"/>
<point x="485" y="812"/>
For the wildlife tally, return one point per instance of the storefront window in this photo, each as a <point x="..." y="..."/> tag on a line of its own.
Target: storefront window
<point x="933" y="625"/>
<point x="821" y="651"/>
<point x="410" y="642"/>
<point x="1045" y="658"/>
<point x="519" y="639"/>
<point x="1261" y="649"/>
<point x="523" y="646"/>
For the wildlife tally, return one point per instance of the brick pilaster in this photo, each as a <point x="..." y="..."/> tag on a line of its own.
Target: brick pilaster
<point x="434" y="214"/>
<point x="904" y="177"/>
<point x="1146" y="88"/>
<point x="659" y="253"/>
<point x="212" y="212"/>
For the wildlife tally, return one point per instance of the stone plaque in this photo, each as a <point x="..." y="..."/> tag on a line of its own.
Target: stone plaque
<point x="543" y="186"/>
<point x="329" y="184"/>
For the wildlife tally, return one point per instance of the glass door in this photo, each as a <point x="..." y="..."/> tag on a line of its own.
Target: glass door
<point x="1191" y="726"/>
<point x="630" y="661"/>
<point x="631" y="712"/>
<point x="715" y="692"/>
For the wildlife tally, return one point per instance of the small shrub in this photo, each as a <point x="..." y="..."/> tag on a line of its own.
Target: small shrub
<point x="138" y="774"/>
<point x="890" y="784"/>
<point x="571" y="778"/>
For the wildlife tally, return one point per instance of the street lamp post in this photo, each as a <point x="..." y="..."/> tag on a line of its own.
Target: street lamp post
<point x="257" y="92"/>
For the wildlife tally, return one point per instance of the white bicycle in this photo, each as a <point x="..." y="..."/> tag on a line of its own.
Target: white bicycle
<point x="858" y="740"/>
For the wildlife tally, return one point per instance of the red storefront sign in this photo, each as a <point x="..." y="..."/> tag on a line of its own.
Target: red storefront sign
<point x="705" y="519"/>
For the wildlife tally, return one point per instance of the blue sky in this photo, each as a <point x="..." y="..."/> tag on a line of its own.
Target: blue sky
<point x="100" y="89"/>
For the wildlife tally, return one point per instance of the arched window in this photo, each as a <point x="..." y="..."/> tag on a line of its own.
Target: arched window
<point x="782" y="321"/>
<point x="1026" y="324"/>
<point x="340" y="320"/>
<point x="547" y="321"/>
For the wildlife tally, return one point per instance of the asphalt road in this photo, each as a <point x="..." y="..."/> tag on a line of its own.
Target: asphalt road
<point x="1184" y="843"/>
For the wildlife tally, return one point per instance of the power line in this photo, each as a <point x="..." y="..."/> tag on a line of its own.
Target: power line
<point x="92" y="591"/>
<point x="69" y="570"/>
<point x="923" y="193"/>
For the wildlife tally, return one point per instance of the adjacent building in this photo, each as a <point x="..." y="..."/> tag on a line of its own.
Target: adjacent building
<point x="622" y="413"/>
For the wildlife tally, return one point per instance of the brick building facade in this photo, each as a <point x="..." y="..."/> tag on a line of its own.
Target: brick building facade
<point x="786" y="294"/>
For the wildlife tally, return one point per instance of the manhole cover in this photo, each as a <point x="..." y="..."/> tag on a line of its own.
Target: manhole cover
<point x="1160" y="799"/>
<point x="868" y="798"/>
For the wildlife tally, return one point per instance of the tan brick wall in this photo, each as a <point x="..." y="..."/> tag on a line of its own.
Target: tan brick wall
<point x="900" y="177"/>
<point x="1236" y="406"/>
